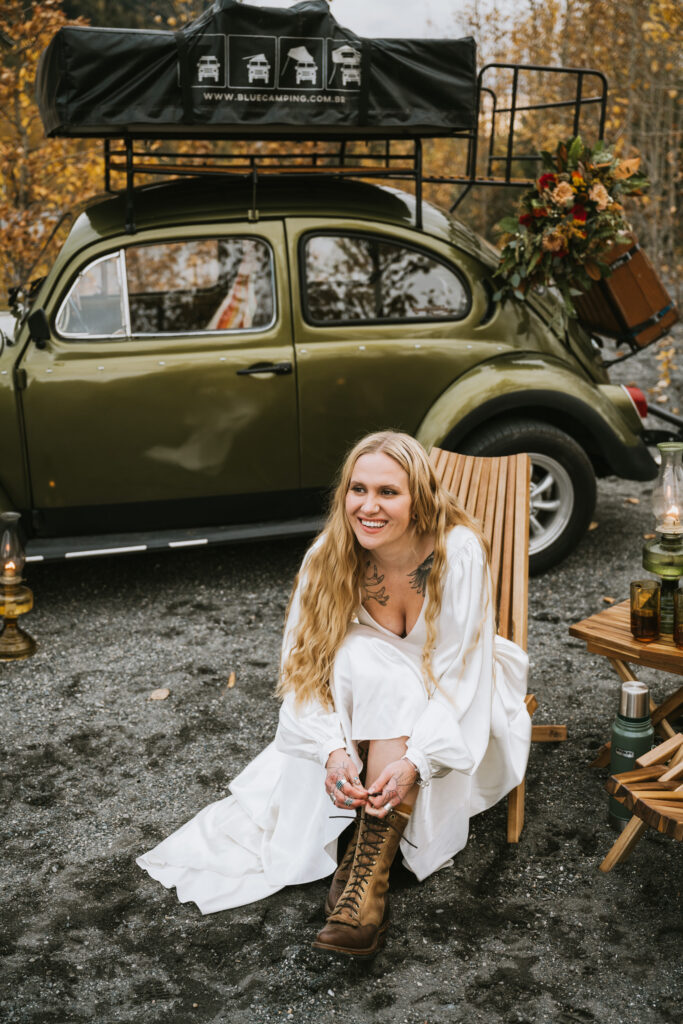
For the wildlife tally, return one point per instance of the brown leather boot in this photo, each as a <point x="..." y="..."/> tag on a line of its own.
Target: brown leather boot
<point x="361" y="917"/>
<point x="341" y="875"/>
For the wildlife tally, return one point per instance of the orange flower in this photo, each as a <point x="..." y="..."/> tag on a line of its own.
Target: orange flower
<point x="553" y="242"/>
<point x="600" y="196"/>
<point x="563" y="194"/>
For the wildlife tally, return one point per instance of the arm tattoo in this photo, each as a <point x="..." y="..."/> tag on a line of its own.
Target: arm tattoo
<point x="373" y="585"/>
<point x="418" y="577"/>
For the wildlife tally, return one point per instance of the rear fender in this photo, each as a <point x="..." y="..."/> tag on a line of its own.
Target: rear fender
<point x="599" y="417"/>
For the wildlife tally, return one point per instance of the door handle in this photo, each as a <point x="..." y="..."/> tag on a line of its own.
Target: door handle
<point x="278" y="369"/>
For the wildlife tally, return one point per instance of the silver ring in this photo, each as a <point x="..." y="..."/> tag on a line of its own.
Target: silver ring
<point x="348" y="802"/>
<point x="387" y="807"/>
<point x="331" y="796"/>
<point x="339" y="784"/>
<point x="356" y="778"/>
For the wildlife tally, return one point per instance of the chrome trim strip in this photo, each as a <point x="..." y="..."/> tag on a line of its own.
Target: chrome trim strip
<point x="123" y="277"/>
<point x="74" y="283"/>
<point x="105" y="551"/>
<point x="56" y="548"/>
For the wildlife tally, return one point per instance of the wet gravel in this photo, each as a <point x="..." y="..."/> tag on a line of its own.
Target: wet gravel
<point x="94" y="772"/>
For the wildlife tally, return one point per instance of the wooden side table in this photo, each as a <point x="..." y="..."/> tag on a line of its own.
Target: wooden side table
<point x="609" y="633"/>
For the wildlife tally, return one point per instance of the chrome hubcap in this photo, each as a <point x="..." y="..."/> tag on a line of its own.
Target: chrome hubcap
<point x="551" y="501"/>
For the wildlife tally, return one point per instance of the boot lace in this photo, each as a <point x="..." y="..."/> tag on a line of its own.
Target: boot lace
<point x="368" y="849"/>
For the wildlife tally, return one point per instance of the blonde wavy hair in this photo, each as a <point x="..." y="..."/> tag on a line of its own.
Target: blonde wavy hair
<point x="331" y="586"/>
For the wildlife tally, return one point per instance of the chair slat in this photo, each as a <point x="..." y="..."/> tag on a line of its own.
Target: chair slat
<point x="520" y="567"/>
<point x="475" y="484"/>
<point x="464" y="481"/>
<point x="497" y="537"/>
<point x="507" y="557"/>
<point x="488" y="515"/>
<point x="482" y="497"/>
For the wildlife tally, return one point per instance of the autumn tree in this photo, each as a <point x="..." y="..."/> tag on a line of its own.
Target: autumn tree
<point x="39" y="178"/>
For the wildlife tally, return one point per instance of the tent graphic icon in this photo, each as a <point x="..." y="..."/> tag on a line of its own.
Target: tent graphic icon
<point x="305" y="67"/>
<point x="258" y="68"/>
<point x="346" y="64"/>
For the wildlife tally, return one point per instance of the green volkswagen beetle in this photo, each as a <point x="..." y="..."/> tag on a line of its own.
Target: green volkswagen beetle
<point x="200" y="379"/>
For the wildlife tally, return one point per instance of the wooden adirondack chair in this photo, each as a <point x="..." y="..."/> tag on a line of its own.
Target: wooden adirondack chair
<point x="495" y="491"/>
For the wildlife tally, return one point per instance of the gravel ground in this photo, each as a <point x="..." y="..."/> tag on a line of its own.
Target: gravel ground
<point x="95" y="772"/>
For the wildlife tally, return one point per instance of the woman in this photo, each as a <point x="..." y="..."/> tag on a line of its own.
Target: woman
<point x="399" y="704"/>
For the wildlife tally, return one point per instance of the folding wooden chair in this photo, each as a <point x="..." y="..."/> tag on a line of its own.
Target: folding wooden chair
<point x="654" y="793"/>
<point x="495" y="491"/>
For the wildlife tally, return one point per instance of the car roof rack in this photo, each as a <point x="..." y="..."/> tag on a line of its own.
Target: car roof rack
<point x="492" y="157"/>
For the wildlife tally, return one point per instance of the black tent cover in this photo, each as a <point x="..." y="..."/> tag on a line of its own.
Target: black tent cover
<point x="243" y="71"/>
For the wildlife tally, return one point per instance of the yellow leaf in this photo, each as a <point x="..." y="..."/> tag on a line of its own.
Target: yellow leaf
<point x="632" y="501"/>
<point x="649" y="536"/>
<point x="593" y="526"/>
<point x="232" y="679"/>
<point x="608" y="600"/>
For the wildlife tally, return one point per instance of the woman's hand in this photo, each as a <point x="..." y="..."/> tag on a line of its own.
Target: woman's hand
<point x="342" y="783"/>
<point x="391" y="787"/>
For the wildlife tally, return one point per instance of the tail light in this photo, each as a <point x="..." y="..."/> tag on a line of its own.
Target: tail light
<point x="638" y="399"/>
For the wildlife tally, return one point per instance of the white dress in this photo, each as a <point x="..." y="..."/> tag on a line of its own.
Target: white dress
<point x="469" y="740"/>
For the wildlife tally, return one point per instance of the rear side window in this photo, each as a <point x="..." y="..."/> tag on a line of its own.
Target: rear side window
<point x="197" y="286"/>
<point x="359" y="278"/>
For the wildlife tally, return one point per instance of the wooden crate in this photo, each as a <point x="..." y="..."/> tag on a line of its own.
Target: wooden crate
<point x="632" y="304"/>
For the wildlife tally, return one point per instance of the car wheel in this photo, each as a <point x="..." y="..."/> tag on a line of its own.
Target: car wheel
<point x="562" y="484"/>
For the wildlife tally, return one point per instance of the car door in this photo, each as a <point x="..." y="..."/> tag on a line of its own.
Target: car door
<point x="168" y="377"/>
<point x="383" y="325"/>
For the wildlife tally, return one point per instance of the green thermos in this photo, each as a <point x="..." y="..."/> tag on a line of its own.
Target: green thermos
<point x="632" y="736"/>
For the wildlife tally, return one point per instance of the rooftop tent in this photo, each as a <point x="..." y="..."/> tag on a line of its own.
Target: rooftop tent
<point x="246" y="71"/>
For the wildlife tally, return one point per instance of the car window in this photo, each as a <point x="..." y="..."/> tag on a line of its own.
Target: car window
<point x="362" y="278"/>
<point x="195" y="286"/>
<point x="208" y="284"/>
<point x="94" y="306"/>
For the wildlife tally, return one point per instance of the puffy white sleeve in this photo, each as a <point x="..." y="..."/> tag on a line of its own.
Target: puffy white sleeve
<point x="309" y="730"/>
<point x="453" y="731"/>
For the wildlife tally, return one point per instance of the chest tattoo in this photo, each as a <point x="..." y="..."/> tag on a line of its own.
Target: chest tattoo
<point x="373" y="585"/>
<point x="418" y="577"/>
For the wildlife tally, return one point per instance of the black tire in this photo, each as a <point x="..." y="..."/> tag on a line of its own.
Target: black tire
<point x="562" y="476"/>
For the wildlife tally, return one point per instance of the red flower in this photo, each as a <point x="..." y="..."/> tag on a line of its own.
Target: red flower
<point x="546" y="180"/>
<point x="540" y="211"/>
<point x="525" y="219"/>
<point x="579" y="214"/>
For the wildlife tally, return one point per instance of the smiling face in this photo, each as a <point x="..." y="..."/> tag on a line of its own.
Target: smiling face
<point x="378" y="502"/>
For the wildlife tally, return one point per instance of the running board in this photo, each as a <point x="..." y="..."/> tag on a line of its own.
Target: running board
<point x="55" y="548"/>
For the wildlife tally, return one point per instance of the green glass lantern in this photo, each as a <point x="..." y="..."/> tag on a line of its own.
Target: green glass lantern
<point x="663" y="556"/>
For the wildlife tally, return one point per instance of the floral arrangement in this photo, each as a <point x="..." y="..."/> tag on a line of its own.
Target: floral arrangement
<point x="568" y="221"/>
